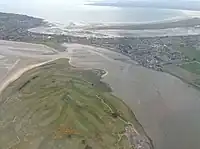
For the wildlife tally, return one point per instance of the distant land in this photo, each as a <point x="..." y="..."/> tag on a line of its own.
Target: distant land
<point x="160" y="101"/>
<point x="192" y="22"/>
<point x="182" y="5"/>
<point x="54" y="104"/>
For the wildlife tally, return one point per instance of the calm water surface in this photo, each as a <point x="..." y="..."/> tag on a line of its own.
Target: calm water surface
<point x="94" y="14"/>
<point x="167" y="108"/>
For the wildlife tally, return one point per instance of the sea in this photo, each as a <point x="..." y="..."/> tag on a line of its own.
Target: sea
<point x="81" y="14"/>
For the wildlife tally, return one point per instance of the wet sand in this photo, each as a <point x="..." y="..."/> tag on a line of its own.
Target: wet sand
<point x="109" y="33"/>
<point x="17" y="57"/>
<point x="167" y="108"/>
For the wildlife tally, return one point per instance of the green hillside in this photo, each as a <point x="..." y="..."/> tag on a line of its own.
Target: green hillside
<point x="56" y="106"/>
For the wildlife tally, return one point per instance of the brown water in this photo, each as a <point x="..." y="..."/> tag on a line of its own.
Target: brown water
<point x="168" y="109"/>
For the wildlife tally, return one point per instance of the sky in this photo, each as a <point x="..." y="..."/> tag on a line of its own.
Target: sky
<point x="47" y="2"/>
<point x="41" y="8"/>
<point x="17" y="4"/>
<point x="60" y="4"/>
<point x="67" y="2"/>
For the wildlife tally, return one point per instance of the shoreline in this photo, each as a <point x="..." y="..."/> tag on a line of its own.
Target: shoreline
<point x="172" y="27"/>
<point x="174" y="23"/>
<point x="22" y="71"/>
<point x="71" y="63"/>
<point x="140" y="134"/>
<point x="19" y="73"/>
<point x="143" y="87"/>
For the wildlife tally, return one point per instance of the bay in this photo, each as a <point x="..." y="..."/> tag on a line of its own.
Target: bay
<point x="85" y="14"/>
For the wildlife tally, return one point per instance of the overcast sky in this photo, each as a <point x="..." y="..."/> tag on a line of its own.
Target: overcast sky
<point x="46" y="1"/>
<point x="41" y="3"/>
<point x="64" y="3"/>
<point x="69" y="2"/>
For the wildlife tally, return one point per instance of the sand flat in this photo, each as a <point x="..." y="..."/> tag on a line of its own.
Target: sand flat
<point x="167" y="108"/>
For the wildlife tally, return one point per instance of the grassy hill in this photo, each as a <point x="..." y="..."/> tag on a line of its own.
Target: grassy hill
<point x="56" y="106"/>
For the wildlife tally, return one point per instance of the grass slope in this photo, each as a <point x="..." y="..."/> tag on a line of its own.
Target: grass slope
<point x="192" y="67"/>
<point x="190" y="52"/>
<point x="56" y="106"/>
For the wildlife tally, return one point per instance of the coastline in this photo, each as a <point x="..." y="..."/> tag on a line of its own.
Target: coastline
<point x="70" y="57"/>
<point x="172" y="27"/>
<point x="70" y="60"/>
<point x="22" y="71"/>
<point x="19" y="73"/>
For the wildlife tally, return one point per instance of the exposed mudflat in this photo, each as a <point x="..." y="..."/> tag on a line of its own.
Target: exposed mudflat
<point x="106" y="33"/>
<point x="167" y="108"/>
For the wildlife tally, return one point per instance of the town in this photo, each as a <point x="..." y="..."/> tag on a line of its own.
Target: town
<point x="150" y="52"/>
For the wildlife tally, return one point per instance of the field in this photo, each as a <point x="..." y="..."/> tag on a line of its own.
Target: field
<point x="190" y="52"/>
<point x="193" y="67"/>
<point x="55" y="106"/>
<point x="188" y="71"/>
<point x="52" y="44"/>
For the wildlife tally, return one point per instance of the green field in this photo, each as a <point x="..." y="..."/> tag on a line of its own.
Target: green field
<point x="56" y="106"/>
<point x="190" y="52"/>
<point x="52" y="43"/>
<point x="192" y="67"/>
